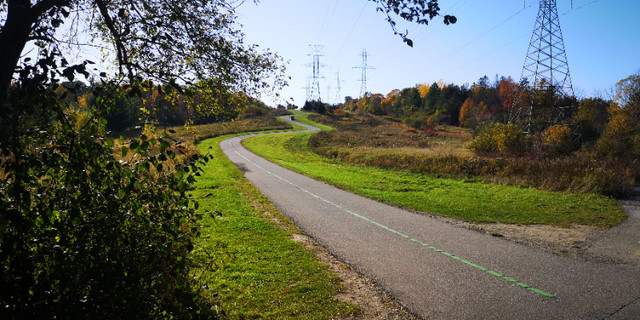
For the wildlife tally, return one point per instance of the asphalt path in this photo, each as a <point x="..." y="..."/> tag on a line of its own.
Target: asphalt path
<point x="437" y="270"/>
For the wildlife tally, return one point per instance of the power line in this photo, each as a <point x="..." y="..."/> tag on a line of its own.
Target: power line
<point x="426" y="28"/>
<point x="454" y="52"/>
<point x="497" y="49"/>
<point x="352" y="27"/>
<point x="580" y="7"/>
<point x="510" y="42"/>
<point x="326" y="18"/>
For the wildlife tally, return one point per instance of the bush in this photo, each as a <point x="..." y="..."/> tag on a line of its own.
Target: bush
<point x="558" y="140"/>
<point x="83" y="235"/>
<point x="416" y="121"/>
<point x="505" y="139"/>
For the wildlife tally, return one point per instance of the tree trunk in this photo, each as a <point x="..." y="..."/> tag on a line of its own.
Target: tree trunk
<point x="13" y="38"/>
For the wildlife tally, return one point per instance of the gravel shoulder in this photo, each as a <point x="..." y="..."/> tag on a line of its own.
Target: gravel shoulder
<point x="618" y="245"/>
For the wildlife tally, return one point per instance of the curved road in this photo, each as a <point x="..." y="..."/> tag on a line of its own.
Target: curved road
<point x="439" y="271"/>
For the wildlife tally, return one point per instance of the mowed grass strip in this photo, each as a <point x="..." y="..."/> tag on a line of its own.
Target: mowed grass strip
<point x="302" y="117"/>
<point x="471" y="201"/>
<point x="247" y="263"/>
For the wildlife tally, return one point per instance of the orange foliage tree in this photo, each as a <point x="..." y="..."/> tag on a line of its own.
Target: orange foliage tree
<point x="558" y="140"/>
<point x="507" y="92"/>
<point x="467" y="116"/>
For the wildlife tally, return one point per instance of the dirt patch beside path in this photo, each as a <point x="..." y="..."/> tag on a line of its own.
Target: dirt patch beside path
<point x="620" y="244"/>
<point x="564" y="241"/>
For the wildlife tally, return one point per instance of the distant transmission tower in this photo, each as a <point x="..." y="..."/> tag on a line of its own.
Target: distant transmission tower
<point x="308" y="89"/>
<point x="313" y="94"/>
<point x="545" y="68"/>
<point x="364" y="67"/>
<point x="338" y="88"/>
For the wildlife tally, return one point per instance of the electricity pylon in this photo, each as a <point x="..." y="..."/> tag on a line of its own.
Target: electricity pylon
<point x="364" y="67"/>
<point x="313" y="94"/>
<point x="338" y="88"/>
<point x="545" y="70"/>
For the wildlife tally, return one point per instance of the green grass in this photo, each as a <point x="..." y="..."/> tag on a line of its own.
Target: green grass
<point x="467" y="200"/>
<point x="302" y="118"/>
<point x="247" y="264"/>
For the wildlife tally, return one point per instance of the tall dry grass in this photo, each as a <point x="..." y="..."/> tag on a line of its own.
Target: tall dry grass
<point x="443" y="153"/>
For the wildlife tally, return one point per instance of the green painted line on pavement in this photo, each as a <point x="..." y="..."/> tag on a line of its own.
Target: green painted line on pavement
<point x="452" y="256"/>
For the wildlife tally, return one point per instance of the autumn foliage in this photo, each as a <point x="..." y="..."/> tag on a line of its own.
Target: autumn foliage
<point x="505" y="139"/>
<point x="558" y="140"/>
<point x="590" y="145"/>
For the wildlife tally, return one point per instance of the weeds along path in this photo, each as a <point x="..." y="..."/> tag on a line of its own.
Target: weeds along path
<point x="437" y="270"/>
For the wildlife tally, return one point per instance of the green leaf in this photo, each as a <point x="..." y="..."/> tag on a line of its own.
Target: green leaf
<point x="164" y="145"/>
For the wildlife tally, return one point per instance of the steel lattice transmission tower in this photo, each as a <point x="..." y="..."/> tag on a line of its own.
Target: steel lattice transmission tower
<point x="338" y="88"/>
<point x="545" y="67"/>
<point x="364" y="66"/>
<point x="313" y="93"/>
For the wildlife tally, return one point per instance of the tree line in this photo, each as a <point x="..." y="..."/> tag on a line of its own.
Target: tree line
<point x="131" y="107"/>
<point x="557" y="125"/>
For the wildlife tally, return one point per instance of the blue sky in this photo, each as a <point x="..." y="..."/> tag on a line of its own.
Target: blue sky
<point x="491" y="37"/>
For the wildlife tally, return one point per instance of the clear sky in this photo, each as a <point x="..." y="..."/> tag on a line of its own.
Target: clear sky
<point x="491" y="37"/>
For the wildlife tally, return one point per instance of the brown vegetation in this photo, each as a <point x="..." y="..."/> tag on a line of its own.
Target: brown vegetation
<point x="375" y="141"/>
<point x="185" y="138"/>
<point x="521" y="135"/>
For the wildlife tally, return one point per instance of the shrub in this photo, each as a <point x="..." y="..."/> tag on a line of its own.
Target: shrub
<point x="83" y="235"/>
<point x="434" y="120"/>
<point x="506" y="139"/>
<point x="558" y="140"/>
<point x="483" y="143"/>
<point x="415" y="121"/>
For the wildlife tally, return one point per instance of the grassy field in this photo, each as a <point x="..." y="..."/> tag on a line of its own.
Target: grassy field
<point x="247" y="263"/>
<point x="387" y="143"/>
<point x="469" y="200"/>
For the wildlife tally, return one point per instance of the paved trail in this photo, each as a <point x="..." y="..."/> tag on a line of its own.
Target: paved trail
<point x="439" y="271"/>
